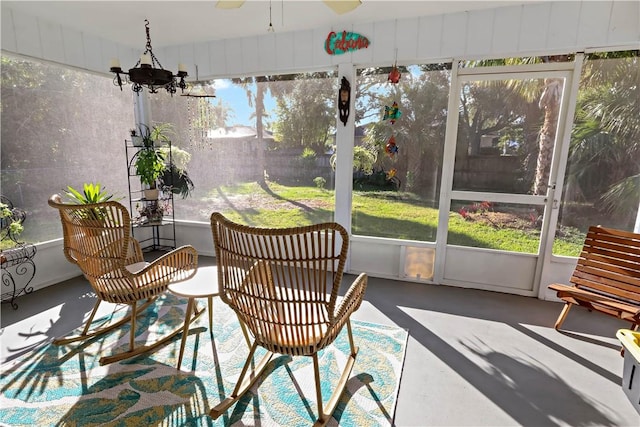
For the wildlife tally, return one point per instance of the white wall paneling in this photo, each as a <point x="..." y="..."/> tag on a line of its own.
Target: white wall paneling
<point x="474" y="265"/>
<point x="52" y="43"/>
<point x="267" y="52"/>
<point x="74" y="54"/>
<point x="563" y="32"/>
<point x="27" y="32"/>
<point x="196" y="234"/>
<point x="233" y="56"/>
<point x="128" y="57"/>
<point x="364" y="56"/>
<point x="559" y="270"/>
<point x="186" y="56"/>
<point x="51" y="266"/>
<point x="506" y="30"/>
<point x="407" y="32"/>
<point x="593" y="25"/>
<point x="8" y="32"/>
<point x="92" y="52"/>
<point x="319" y="56"/>
<point x="250" y="62"/>
<point x="430" y="37"/>
<point x="479" y="34"/>
<point x="303" y="49"/>
<point x="378" y="260"/>
<point x="217" y="59"/>
<point x="169" y="57"/>
<point x="202" y="59"/>
<point x="109" y="51"/>
<point x="454" y="34"/>
<point x="383" y="42"/>
<point x="534" y="27"/>
<point x="284" y="45"/>
<point x="625" y="22"/>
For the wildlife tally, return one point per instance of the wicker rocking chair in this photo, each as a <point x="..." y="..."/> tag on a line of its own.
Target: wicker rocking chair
<point x="283" y="284"/>
<point x="97" y="238"/>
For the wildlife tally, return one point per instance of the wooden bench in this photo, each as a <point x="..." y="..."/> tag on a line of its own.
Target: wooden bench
<point x="607" y="277"/>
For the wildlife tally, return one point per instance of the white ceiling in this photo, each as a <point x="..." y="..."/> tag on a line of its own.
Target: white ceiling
<point x="180" y="22"/>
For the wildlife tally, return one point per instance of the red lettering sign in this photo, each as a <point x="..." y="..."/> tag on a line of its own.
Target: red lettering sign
<point x="337" y="44"/>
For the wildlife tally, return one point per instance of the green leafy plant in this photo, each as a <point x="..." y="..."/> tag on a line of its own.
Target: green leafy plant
<point x="177" y="181"/>
<point x="320" y="182"/>
<point x="10" y="220"/>
<point x="150" y="165"/>
<point x="175" y="177"/>
<point x="91" y="193"/>
<point x="150" y="161"/>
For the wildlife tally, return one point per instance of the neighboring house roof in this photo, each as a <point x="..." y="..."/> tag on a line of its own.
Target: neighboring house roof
<point x="237" y="131"/>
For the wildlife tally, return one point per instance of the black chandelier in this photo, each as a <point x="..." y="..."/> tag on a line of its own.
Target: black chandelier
<point x="149" y="73"/>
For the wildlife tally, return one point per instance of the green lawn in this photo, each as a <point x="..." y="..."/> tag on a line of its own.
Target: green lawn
<point x="378" y="213"/>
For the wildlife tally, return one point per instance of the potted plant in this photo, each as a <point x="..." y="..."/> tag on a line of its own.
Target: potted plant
<point x="11" y="220"/>
<point x="152" y="212"/>
<point x="150" y="161"/>
<point x="150" y="165"/>
<point x="175" y="177"/>
<point x="91" y="193"/>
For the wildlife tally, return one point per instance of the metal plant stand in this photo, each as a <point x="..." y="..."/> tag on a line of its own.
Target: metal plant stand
<point x="155" y="233"/>
<point x="16" y="262"/>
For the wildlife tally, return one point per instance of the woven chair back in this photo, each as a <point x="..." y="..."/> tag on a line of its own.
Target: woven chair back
<point x="282" y="283"/>
<point x="96" y="238"/>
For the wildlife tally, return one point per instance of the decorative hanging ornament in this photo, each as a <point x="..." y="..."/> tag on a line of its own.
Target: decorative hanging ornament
<point x="391" y="148"/>
<point x="344" y="100"/>
<point x="391" y="173"/>
<point x="394" y="75"/>
<point x="392" y="113"/>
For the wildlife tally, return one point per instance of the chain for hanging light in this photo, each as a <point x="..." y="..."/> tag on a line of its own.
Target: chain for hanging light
<point x="270" y="29"/>
<point x="148" y="72"/>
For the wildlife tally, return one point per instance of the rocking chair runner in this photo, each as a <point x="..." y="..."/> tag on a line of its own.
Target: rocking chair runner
<point x="283" y="284"/>
<point x="97" y="239"/>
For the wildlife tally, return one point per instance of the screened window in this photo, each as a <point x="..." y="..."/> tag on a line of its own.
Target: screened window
<point x="602" y="181"/>
<point x="398" y="151"/>
<point x="260" y="151"/>
<point x="60" y="127"/>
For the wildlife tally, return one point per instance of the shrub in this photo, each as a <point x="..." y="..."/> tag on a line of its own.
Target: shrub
<point x="319" y="182"/>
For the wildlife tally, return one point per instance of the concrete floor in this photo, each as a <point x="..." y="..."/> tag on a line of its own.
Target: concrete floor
<point x="474" y="358"/>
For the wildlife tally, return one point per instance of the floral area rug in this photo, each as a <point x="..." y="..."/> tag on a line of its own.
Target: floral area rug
<point x="66" y="386"/>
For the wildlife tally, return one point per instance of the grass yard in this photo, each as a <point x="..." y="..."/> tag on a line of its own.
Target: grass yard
<point x="383" y="214"/>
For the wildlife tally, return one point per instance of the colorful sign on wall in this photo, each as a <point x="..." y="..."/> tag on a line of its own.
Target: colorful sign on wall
<point x="339" y="43"/>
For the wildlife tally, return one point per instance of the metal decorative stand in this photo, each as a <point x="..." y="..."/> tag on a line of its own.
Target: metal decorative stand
<point x="17" y="261"/>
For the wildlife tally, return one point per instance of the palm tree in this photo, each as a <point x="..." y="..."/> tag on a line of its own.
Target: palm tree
<point x="605" y="149"/>
<point x="548" y="95"/>
<point x="550" y="104"/>
<point x="257" y="99"/>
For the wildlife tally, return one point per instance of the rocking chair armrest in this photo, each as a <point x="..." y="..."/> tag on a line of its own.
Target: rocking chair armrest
<point x="178" y="265"/>
<point x="351" y="301"/>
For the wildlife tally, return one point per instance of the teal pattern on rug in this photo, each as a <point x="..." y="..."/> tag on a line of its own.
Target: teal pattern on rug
<point x="66" y="386"/>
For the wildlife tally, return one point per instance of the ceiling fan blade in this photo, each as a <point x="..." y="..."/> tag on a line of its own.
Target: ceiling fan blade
<point x="228" y="4"/>
<point x="342" y="6"/>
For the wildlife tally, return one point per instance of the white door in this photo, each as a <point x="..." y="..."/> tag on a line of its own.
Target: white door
<point x="499" y="178"/>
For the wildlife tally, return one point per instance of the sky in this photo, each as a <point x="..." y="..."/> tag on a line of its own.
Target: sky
<point x="236" y="98"/>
